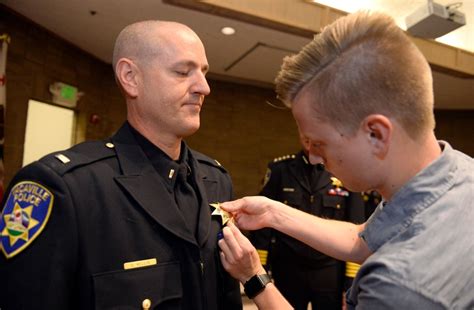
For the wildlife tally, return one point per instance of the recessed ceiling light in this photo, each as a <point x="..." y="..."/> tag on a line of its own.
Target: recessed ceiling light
<point x="228" y="31"/>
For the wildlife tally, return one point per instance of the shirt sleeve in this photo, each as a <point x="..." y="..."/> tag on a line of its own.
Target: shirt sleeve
<point x="378" y="291"/>
<point x="41" y="276"/>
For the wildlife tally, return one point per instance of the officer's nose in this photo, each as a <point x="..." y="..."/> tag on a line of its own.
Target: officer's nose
<point x="201" y="86"/>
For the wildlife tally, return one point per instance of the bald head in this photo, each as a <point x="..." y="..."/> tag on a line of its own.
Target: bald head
<point x="142" y="40"/>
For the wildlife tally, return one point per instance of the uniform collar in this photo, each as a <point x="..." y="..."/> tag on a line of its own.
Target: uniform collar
<point x="301" y="164"/>
<point x="164" y="165"/>
<point x="304" y="158"/>
<point x="141" y="181"/>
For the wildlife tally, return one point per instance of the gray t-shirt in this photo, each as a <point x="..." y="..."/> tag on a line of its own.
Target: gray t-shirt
<point x="423" y="242"/>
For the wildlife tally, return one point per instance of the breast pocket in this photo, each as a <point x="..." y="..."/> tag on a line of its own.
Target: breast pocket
<point x="333" y="207"/>
<point x="128" y="289"/>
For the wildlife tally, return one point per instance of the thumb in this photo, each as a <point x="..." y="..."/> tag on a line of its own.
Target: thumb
<point x="232" y="206"/>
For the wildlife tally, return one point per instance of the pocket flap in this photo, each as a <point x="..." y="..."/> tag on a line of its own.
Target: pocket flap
<point x="127" y="289"/>
<point x="335" y="202"/>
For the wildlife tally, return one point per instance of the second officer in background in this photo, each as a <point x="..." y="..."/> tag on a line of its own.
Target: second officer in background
<point x="302" y="274"/>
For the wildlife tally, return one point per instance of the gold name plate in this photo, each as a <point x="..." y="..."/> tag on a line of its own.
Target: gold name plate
<point x="140" y="263"/>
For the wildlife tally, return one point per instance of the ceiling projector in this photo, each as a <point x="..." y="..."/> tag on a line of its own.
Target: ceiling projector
<point x="433" y="20"/>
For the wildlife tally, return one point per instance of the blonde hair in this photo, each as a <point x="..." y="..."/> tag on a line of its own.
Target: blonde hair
<point x="359" y="65"/>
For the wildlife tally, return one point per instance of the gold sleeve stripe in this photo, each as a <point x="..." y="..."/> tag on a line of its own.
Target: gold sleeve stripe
<point x="351" y="269"/>
<point x="263" y="256"/>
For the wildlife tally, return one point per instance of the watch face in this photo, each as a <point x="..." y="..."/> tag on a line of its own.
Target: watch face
<point x="256" y="284"/>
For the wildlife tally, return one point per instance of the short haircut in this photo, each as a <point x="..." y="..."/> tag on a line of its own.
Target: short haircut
<point x="362" y="64"/>
<point x="132" y="41"/>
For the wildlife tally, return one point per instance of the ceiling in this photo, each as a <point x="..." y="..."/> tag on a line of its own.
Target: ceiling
<point x="252" y="55"/>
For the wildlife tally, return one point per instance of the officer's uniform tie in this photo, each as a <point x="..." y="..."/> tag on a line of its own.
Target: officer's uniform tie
<point x="186" y="197"/>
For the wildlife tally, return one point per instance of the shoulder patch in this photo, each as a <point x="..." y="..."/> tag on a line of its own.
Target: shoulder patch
<point x="24" y="216"/>
<point x="268" y="174"/>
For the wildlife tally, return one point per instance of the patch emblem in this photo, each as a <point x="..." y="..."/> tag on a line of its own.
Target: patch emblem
<point x="24" y="216"/>
<point x="268" y="174"/>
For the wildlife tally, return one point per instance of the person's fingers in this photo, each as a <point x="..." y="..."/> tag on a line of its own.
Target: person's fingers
<point x="232" y="206"/>
<point x="244" y="243"/>
<point x="224" y="261"/>
<point x="236" y="219"/>
<point x="225" y="249"/>
<point x="240" y="238"/>
<point x="232" y="245"/>
<point x="233" y="228"/>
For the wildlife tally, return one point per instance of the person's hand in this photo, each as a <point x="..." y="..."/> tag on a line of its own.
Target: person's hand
<point x="251" y="213"/>
<point x="238" y="256"/>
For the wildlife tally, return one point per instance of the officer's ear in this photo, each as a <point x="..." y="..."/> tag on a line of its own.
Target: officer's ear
<point x="127" y="73"/>
<point x="378" y="130"/>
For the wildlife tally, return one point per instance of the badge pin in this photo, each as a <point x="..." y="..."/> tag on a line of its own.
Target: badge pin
<point x="225" y="216"/>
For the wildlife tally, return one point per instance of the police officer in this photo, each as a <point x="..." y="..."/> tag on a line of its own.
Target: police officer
<point x="125" y="223"/>
<point x="301" y="273"/>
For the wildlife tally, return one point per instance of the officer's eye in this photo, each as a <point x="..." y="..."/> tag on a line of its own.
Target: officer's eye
<point x="182" y="73"/>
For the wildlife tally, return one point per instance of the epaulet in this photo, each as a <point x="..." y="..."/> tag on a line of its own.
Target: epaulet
<point x="79" y="155"/>
<point x="283" y="158"/>
<point x="207" y="160"/>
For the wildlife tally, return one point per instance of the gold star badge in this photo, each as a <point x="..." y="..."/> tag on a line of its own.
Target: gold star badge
<point x="225" y="216"/>
<point x="18" y="224"/>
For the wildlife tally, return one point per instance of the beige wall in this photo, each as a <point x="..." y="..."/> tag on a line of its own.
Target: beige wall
<point x="238" y="128"/>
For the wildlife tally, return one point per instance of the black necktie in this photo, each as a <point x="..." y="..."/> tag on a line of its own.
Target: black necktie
<point x="186" y="198"/>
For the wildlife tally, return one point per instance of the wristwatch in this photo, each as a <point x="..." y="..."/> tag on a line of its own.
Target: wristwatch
<point x="256" y="284"/>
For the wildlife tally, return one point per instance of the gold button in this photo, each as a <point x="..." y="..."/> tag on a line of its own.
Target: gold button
<point x="110" y="145"/>
<point x="338" y="206"/>
<point x="146" y="304"/>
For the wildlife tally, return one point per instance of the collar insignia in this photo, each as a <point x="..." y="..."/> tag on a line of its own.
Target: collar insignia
<point x="24" y="216"/>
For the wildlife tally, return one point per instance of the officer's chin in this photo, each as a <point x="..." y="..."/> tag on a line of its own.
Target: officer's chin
<point x="189" y="128"/>
<point x="315" y="159"/>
